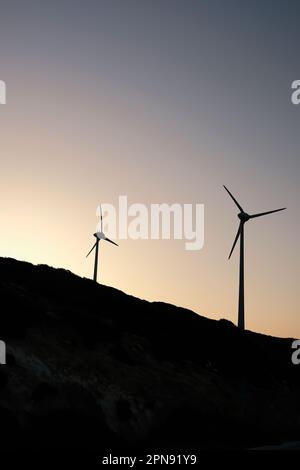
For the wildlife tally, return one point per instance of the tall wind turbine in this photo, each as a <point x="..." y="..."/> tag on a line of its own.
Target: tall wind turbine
<point x="244" y="217"/>
<point x="99" y="236"/>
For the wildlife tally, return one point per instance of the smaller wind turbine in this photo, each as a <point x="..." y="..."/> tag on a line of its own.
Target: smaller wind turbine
<point x="244" y="217"/>
<point x="99" y="236"/>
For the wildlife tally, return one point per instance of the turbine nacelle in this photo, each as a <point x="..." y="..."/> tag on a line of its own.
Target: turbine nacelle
<point x="100" y="235"/>
<point x="244" y="217"/>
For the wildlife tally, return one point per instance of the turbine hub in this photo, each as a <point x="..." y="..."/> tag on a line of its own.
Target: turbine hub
<point x="99" y="235"/>
<point x="243" y="216"/>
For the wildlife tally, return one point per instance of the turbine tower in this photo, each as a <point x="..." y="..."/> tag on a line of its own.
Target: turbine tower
<point x="244" y="217"/>
<point x="99" y="236"/>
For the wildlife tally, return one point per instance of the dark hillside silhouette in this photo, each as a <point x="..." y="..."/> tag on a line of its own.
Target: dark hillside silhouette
<point x="90" y="366"/>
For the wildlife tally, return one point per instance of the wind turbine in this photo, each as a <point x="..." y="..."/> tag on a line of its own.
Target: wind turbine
<point x="99" y="236"/>
<point x="244" y="217"/>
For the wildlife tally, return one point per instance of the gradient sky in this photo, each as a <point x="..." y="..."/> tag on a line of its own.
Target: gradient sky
<point x="164" y="101"/>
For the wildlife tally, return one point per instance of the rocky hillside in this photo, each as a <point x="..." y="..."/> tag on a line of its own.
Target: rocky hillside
<point x="89" y="366"/>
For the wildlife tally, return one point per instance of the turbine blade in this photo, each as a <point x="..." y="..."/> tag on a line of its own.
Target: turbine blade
<point x="266" y="213"/>
<point x="232" y="197"/>
<point x="92" y="249"/>
<point x="235" y="241"/>
<point x="110" y="241"/>
<point x="101" y="218"/>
